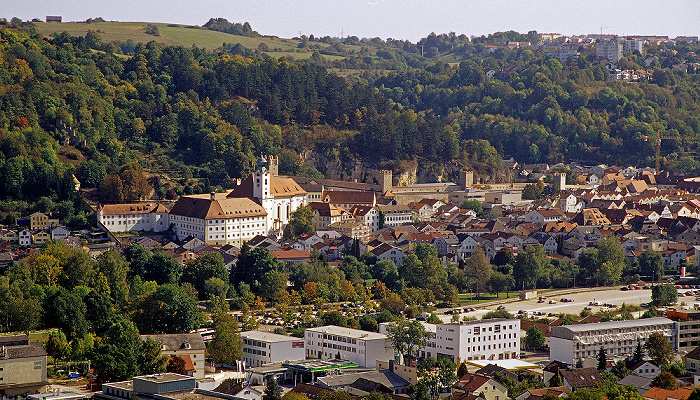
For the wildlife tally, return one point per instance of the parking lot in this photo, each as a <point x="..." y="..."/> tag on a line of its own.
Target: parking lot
<point x="552" y="303"/>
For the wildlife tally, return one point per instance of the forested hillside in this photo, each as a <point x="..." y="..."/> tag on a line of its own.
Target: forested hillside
<point x="202" y="117"/>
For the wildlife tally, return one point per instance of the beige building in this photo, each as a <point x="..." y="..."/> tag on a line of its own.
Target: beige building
<point x="189" y="346"/>
<point x="22" y="366"/>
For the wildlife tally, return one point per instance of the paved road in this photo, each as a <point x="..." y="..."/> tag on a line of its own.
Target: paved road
<point x="581" y="297"/>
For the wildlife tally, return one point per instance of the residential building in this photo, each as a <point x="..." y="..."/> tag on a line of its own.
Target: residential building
<point x="39" y="220"/>
<point x="59" y="232"/>
<point x="354" y="345"/>
<point x="367" y="215"/>
<point x="218" y="219"/>
<point x="609" y="49"/>
<point x="350" y="198"/>
<point x="396" y="215"/>
<point x="326" y="214"/>
<point x="632" y="45"/>
<point x="133" y="217"/>
<point x="570" y="343"/>
<point x="484" y="386"/>
<point x="581" y="378"/>
<point x="261" y="348"/>
<point x="687" y="330"/>
<point x="385" y="251"/>
<point x="644" y="369"/>
<point x="25" y="237"/>
<point x="184" y="345"/>
<point x="352" y="229"/>
<point x="22" y="366"/>
<point x="543" y="216"/>
<point x="538" y="394"/>
<point x="364" y="383"/>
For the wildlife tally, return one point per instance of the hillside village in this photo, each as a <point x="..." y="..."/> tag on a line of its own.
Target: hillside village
<point x="645" y="211"/>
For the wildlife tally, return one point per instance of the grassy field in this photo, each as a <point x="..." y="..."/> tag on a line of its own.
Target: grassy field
<point x="170" y="34"/>
<point x="469" y="298"/>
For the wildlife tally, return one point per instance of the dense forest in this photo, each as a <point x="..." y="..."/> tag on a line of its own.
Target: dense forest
<point x="202" y="117"/>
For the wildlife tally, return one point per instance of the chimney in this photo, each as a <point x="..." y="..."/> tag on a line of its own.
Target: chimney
<point x="212" y="196"/>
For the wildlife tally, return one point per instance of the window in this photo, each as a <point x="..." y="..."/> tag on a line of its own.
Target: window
<point x="37" y="364"/>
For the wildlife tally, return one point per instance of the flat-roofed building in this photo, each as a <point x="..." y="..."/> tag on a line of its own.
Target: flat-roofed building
<point x="489" y="339"/>
<point x="570" y="343"/>
<point x="261" y="348"/>
<point x="354" y="345"/>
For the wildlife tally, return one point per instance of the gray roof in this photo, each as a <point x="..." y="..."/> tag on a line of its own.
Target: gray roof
<point x="31" y="350"/>
<point x="384" y="377"/>
<point x="178" y="341"/>
<point x="616" y="324"/>
<point x="639" y="382"/>
<point x="14" y="340"/>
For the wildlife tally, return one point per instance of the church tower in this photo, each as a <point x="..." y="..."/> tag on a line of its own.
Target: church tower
<point x="261" y="181"/>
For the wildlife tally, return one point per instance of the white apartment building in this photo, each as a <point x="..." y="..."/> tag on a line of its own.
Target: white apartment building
<point x="488" y="339"/>
<point x="395" y="215"/>
<point x="632" y="45"/>
<point x="133" y="217"/>
<point x="610" y="50"/>
<point x="264" y="347"/>
<point x="217" y="219"/>
<point x="570" y="343"/>
<point x="362" y="347"/>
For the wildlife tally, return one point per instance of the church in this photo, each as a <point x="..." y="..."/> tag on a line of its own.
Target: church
<point x="261" y="205"/>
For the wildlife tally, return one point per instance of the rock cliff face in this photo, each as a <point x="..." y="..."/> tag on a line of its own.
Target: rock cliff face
<point x="405" y="172"/>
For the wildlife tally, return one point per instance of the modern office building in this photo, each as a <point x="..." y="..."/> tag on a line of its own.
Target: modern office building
<point x="570" y="343"/>
<point x="490" y="339"/>
<point x="264" y="348"/>
<point x="354" y="345"/>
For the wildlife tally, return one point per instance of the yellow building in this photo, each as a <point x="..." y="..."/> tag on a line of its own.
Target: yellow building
<point x="39" y="237"/>
<point x="22" y="366"/>
<point x="41" y="221"/>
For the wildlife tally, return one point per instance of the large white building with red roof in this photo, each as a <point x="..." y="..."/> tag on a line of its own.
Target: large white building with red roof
<point x="260" y="205"/>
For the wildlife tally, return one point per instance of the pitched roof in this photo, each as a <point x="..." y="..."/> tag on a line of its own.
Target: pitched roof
<point x="656" y="393"/>
<point x="581" y="377"/>
<point x="132" y="208"/>
<point x="471" y="383"/>
<point x="178" y="341"/>
<point x="189" y="365"/>
<point x="279" y="187"/>
<point x="694" y="354"/>
<point x="349" y="197"/>
<point x="33" y="349"/>
<point x="202" y="207"/>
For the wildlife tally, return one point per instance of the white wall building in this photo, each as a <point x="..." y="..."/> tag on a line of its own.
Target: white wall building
<point x="264" y="347"/>
<point x="570" y="343"/>
<point x="362" y="347"/>
<point x="610" y="50"/>
<point x="280" y="197"/>
<point x="217" y="219"/>
<point x="396" y="215"/>
<point x="489" y="339"/>
<point x="133" y="217"/>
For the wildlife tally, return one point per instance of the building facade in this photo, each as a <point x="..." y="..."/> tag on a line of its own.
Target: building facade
<point x="354" y="345"/>
<point x="184" y="345"/>
<point x="264" y="347"/>
<point x="22" y="366"/>
<point x="217" y="219"/>
<point x="571" y="343"/>
<point x="133" y="217"/>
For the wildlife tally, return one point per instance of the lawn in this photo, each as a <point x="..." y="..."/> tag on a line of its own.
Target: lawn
<point x="170" y="34"/>
<point x="469" y="298"/>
